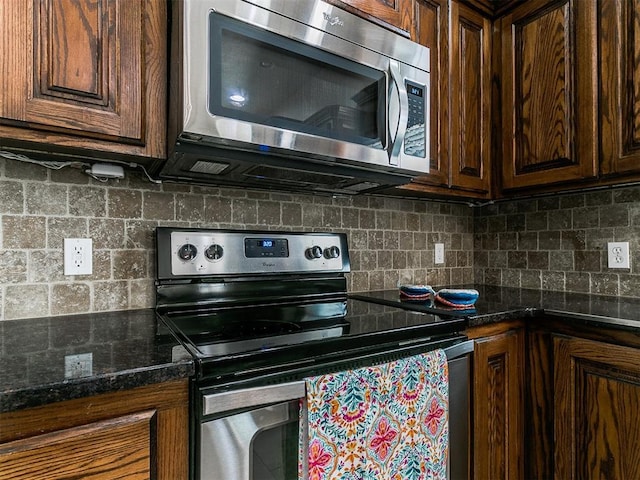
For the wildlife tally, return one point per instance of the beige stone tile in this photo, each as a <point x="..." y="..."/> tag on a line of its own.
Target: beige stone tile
<point x="87" y="201"/>
<point x="59" y="228"/>
<point x="46" y="266"/>
<point x="23" y="232"/>
<point x="110" y="296"/>
<point x="26" y="301"/>
<point x="70" y="298"/>
<point x="123" y="203"/>
<point x="13" y="266"/>
<point x="11" y="197"/>
<point x="158" y="206"/>
<point x="107" y="233"/>
<point x="45" y="199"/>
<point x="129" y="264"/>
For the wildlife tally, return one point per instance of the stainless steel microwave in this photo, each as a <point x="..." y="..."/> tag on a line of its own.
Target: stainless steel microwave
<point x="294" y="95"/>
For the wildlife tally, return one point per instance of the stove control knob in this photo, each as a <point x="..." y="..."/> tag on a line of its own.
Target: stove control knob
<point x="214" y="252"/>
<point x="313" y="252"/>
<point x="331" y="252"/>
<point x="187" y="252"/>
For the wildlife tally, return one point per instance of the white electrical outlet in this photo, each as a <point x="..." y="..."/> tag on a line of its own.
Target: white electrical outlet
<point x="78" y="256"/>
<point x="618" y="254"/>
<point x="78" y="366"/>
<point x="439" y="254"/>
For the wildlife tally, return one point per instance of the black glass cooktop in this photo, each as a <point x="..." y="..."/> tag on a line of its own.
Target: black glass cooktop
<point x="257" y="336"/>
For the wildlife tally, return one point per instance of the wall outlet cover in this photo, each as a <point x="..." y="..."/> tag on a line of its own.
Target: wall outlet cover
<point x="439" y="254"/>
<point x="618" y="254"/>
<point x="78" y="366"/>
<point x="78" y="256"/>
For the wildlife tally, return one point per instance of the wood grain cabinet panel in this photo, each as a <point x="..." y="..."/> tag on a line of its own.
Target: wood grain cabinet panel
<point x="498" y="406"/>
<point x="140" y="433"/>
<point x="397" y="13"/>
<point x="471" y="101"/>
<point x="74" y="70"/>
<point x="432" y="27"/>
<point x="459" y="40"/>
<point x="597" y="400"/>
<point x="619" y="37"/>
<point x="116" y="448"/>
<point x="549" y="87"/>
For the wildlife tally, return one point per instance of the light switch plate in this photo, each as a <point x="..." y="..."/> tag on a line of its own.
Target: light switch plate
<point x="439" y="254"/>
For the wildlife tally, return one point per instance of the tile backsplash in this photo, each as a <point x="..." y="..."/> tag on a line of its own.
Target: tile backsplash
<point x="391" y="240"/>
<point x="560" y="242"/>
<point x="554" y="243"/>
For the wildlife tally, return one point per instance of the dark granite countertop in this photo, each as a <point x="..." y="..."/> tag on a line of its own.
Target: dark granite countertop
<point x="497" y="304"/>
<point x="130" y="349"/>
<point x="127" y="350"/>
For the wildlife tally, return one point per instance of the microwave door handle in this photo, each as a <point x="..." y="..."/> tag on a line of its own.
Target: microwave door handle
<point x="396" y="144"/>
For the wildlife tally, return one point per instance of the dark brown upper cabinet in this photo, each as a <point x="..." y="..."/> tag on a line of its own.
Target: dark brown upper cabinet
<point x="460" y="42"/>
<point x="619" y="37"/>
<point x="549" y="93"/>
<point x="395" y="13"/>
<point x="87" y="75"/>
<point x="470" y="99"/>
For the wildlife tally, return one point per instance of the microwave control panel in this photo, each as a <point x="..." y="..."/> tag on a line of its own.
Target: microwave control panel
<point x="415" y="138"/>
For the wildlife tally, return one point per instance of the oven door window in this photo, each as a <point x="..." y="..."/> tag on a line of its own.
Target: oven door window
<point x="260" y="444"/>
<point x="261" y="77"/>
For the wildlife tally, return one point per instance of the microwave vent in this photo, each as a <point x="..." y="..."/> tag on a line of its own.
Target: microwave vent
<point x="310" y="181"/>
<point x="289" y="175"/>
<point x="208" y="167"/>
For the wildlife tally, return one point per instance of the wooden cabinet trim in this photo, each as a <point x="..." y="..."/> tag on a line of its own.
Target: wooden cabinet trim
<point x="471" y="99"/>
<point x="566" y="135"/>
<point x="619" y="70"/>
<point x="113" y="100"/>
<point x="166" y="406"/>
<point x="114" y="448"/>
<point x="584" y="370"/>
<point x="498" y="406"/>
<point x="56" y="416"/>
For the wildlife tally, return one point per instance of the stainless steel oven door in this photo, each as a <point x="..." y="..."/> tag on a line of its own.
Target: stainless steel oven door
<point x="253" y="434"/>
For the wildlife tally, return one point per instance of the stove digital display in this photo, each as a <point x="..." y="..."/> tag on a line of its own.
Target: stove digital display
<point x="266" y="247"/>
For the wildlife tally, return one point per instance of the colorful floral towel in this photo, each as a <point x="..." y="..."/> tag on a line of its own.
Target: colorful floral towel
<point x="385" y="422"/>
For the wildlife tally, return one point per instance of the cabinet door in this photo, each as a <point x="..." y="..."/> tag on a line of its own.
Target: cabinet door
<point x="470" y="99"/>
<point x="597" y="400"/>
<point x="86" y="68"/>
<point x="459" y="40"/>
<point x="397" y="13"/>
<point x="137" y="433"/>
<point x="619" y="37"/>
<point x="549" y="106"/>
<point x="432" y="27"/>
<point x="498" y="403"/>
<point x="115" y="448"/>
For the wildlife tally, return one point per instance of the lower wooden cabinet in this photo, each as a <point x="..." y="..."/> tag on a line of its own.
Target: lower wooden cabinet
<point x="498" y="377"/>
<point x="137" y="434"/>
<point x="597" y="405"/>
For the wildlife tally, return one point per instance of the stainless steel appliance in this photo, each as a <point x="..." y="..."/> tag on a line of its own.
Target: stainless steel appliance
<point x="295" y="96"/>
<point x="259" y="312"/>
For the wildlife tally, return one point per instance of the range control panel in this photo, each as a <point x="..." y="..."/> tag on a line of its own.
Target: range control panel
<point x="199" y="252"/>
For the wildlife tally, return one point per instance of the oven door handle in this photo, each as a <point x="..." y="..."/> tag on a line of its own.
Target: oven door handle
<point x="252" y="397"/>
<point x="459" y="349"/>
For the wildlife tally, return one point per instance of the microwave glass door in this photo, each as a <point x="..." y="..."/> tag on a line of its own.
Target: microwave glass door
<point x="260" y="77"/>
